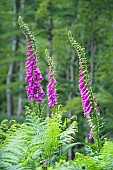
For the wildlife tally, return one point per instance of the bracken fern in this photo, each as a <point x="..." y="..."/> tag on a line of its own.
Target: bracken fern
<point x="37" y="141"/>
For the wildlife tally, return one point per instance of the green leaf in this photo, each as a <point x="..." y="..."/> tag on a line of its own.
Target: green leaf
<point x="65" y="149"/>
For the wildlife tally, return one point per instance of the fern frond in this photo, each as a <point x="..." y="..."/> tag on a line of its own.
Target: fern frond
<point x="66" y="136"/>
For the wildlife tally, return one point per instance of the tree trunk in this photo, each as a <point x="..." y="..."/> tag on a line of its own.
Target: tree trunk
<point x="8" y="90"/>
<point x="92" y="53"/>
<point x="9" y="96"/>
<point x="20" y="97"/>
<point x="71" y="77"/>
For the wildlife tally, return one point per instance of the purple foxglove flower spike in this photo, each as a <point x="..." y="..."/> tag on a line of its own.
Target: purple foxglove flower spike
<point x="89" y="102"/>
<point x="84" y="91"/>
<point x="33" y="75"/>
<point x="51" y="92"/>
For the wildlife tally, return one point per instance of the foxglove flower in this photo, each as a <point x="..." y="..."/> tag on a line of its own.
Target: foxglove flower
<point x="89" y="102"/>
<point x="51" y="92"/>
<point x="85" y="94"/>
<point x="90" y="135"/>
<point x="33" y="75"/>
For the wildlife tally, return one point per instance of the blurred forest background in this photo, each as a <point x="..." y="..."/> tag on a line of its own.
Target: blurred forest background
<point x="90" y="21"/>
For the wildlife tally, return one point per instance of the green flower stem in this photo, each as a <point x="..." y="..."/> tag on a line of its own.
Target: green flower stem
<point x="39" y="107"/>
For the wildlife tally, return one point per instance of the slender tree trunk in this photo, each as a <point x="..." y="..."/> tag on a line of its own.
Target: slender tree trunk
<point x="92" y="53"/>
<point x="8" y="90"/>
<point x="69" y="116"/>
<point x="9" y="96"/>
<point x="20" y="97"/>
<point x="71" y="78"/>
<point x="51" y="36"/>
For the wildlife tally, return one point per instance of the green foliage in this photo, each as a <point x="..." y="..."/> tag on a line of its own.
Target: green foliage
<point x="37" y="140"/>
<point x="74" y="106"/>
<point x="90" y="22"/>
<point x="43" y="143"/>
<point x="104" y="161"/>
<point x="105" y="99"/>
<point x="106" y="156"/>
<point x="7" y="128"/>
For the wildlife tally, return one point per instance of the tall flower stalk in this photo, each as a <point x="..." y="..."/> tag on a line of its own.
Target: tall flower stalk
<point x="33" y="75"/>
<point x="89" y="103"/>
<point x="51" y="92"/>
